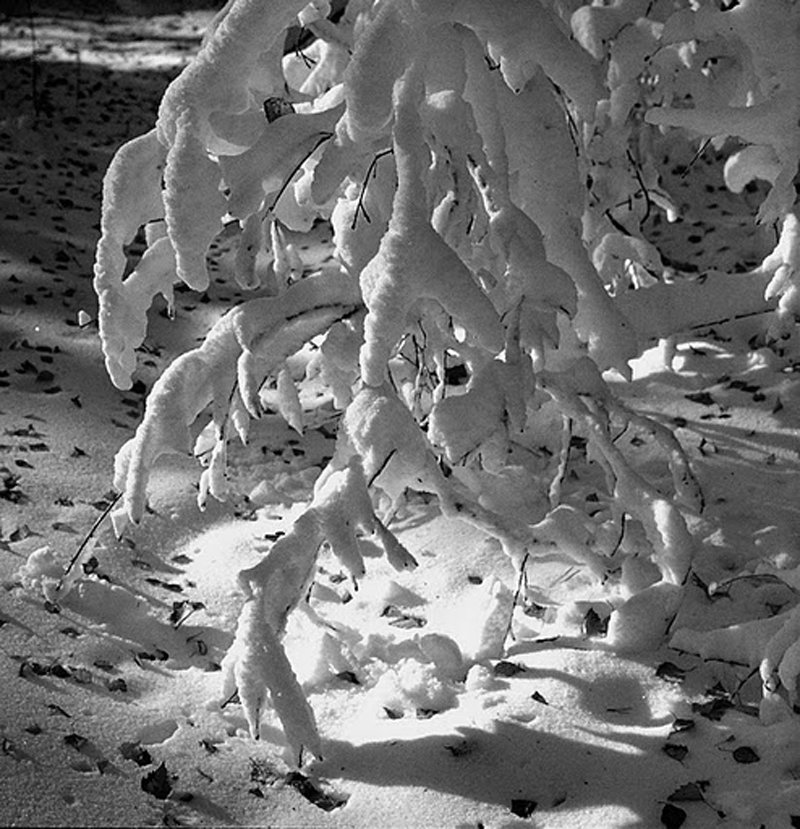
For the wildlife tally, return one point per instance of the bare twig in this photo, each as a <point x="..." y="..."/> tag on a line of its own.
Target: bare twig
<point x="370" y="173"/>
<point x="517" y="593"/>
<point x="325" y="136"/>
<point x="88" y="538"/>
<point x="563" y="461"/>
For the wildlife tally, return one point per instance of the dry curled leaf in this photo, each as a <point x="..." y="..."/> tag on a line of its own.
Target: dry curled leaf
<point x="673" y="817"/>
<point x="522" y="807"/>
<point x="158" y="783"/>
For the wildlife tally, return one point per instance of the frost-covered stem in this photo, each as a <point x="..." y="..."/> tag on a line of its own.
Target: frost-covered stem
<point x="554" y="492"/>
<point x="410" y="201"/>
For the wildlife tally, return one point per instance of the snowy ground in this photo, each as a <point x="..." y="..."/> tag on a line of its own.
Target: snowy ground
<point x="111" y="708"/>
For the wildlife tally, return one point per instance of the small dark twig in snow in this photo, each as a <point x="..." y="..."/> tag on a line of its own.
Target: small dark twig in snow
<point x="517" y="593"/>
<point x="88" y="538"/>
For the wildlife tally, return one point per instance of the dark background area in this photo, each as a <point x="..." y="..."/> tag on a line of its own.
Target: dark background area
<point x="85" y="8"/>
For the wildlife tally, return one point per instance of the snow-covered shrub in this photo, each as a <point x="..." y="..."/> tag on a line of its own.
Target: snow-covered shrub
<point x="485" y="166"/>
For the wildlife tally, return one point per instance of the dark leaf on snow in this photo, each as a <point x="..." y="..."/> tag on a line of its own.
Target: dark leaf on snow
<point x="689" y="792"/>
<point x="460" y="749"/>
<point x="158" y="783"/>
<point x="594" y="624"/>
<point x="90" y="565"/>
<point x="522" y="807"/>
<point x="713" y="709"/>
<point x="745" y="754"/>
<point x="263" y="772"/>
<point x="57" y="709"/>
<point x="402" y="620"/>
<point x="701" y="397"/>
<point x="537" y="697"/>
<point x="83" y="676"/>
<point x="672" y="816"/>
<point x="327" y="801"/>
<point x="508" y="669"/>
<point x="682" y="724"/>
<point x="392" y="714"/>
<point x="348" y="676"/>
<point x="670" y="672"/>
<point x="675" y="751"/>
<point x="181" y="559"/>
<point x="427" y="713"/>
<point x="20" y="533"/>
<point x="75" y="741"/>
<point x="156" y="656"/>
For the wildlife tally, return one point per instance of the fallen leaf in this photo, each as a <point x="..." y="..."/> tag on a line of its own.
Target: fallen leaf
<point x="134" y="751"/>
<point x="523" y="808"/>
<point x="672" y="817"/>
<point x="689" y="792"/>
<point x="426" y="713"/>
<point x="392" y="714"/>
<point x="76" y="741"/>
<point x="675" y="751"/>
<point x="593" y="624"/>
<point x="701" y="397"/>
<point x="670" y="672"/>
<point x="158" y="783"/>
<point x="505" y="668"/>
<point x="348" y="676"/>
<point x="682" y="724"/>
<point x="327" y="801"/>
<point x="745" y="754"/>
<point x="713" y="710"/>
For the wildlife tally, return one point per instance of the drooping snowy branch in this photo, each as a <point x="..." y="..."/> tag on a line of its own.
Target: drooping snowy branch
<point x="241" y="351"/>
<point x="484" y="168"/>
<point x="131" y="198"/>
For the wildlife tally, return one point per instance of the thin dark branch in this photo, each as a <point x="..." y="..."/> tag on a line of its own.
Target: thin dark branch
<point x="87" y="538"/>
<point x="370" y="173"/>
<point x="696" y="157"/>
<point x="517" y="593"/>
<point x="325" y="136"/>
<point x="380" y="469"/>
<point x="637" y="173"/>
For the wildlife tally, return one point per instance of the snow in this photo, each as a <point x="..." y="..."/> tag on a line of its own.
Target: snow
<point x="430" y="713"/>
